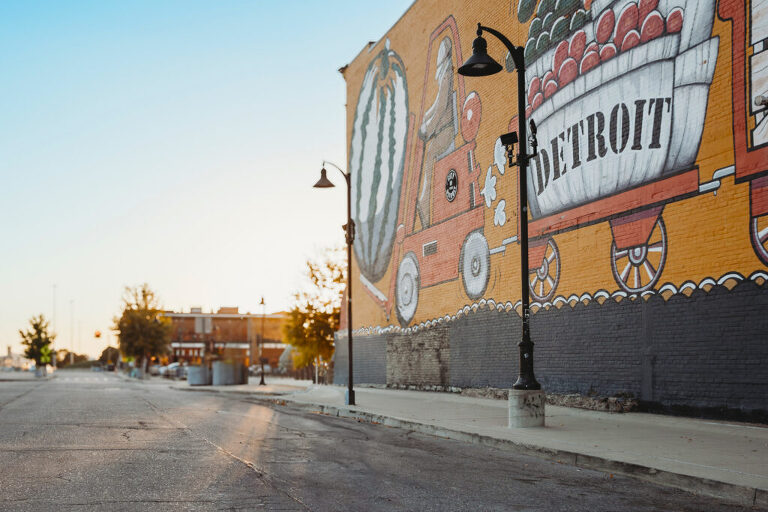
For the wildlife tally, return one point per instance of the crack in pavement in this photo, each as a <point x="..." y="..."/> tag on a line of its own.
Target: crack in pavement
<point x="101" y="449"/>
<point x="141" y="426"/>
<point x="251" y="502"/>
<point x="2" y="405"/>
<point x="269" y="479"/>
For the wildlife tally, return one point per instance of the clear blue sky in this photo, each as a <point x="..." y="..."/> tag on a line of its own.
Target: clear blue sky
<point x="168" y="142"/>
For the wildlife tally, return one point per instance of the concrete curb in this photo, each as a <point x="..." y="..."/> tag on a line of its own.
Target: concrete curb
<point x="208" y="389"/>
<point x="742" y="495"/>
<point x="34" y="379"/>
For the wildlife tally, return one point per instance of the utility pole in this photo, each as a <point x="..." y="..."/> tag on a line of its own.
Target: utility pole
<point x="261" y="349"/>
<point x="53" y="325"/>
<point x="72" y="331"/>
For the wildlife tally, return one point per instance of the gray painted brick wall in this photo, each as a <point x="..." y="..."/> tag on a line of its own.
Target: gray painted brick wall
<point x="709" y="350"/>
<point x="370" y="360"/>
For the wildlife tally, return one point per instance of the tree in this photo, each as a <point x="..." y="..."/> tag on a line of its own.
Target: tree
<point x="62" y="358"/>
<point x="314" y="317"/>
<point x="38" y="341"/>
<point x="109" y="355"/>
<point x="142" y="330"/>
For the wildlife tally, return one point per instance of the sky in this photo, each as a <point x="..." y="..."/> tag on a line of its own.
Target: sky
<point x="169" y="142"/>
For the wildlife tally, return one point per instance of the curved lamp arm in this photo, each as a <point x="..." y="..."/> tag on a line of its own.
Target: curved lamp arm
<point x="515" y="51"/>
<point x="346" y="175"/>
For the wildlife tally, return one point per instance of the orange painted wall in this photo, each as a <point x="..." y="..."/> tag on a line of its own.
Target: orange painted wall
<point x="709" y="205"/>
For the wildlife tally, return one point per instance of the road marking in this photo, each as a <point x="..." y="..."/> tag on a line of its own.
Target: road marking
<point x="84" y="379"/>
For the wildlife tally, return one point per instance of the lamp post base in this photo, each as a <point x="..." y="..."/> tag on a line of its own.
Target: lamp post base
<point x="349" y="397"/>
<point x="526" y="408"/>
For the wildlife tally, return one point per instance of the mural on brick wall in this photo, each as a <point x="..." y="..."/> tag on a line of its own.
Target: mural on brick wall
<point x="750" y="108"/>
<point x="620" y="92"/>
<point x="620" y="102"/>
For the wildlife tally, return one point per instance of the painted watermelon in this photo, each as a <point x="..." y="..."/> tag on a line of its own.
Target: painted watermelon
<point x="377" y="159"/>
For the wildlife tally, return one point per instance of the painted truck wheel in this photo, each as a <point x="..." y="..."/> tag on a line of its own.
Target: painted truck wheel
<point x="638" y="268"/>
<point x="407" y="288"/>
<point x="758" y="230"/>
<point x="543" y="280"/>
<point x="475" y="264"/>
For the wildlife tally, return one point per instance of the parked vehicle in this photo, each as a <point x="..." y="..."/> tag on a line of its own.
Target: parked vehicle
<point x="174" y="371"/>
<point x="170" y="370"/>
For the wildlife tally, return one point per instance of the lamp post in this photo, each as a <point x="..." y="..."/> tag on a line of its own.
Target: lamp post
<point x="349" y="228"/>
<point x="261" y="345"/>
<point x="481" y="64"/>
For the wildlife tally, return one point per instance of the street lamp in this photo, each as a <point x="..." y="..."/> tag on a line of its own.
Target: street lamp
<point x="261" y="348"/>
<point x="481" y="64"/>
<point x="349" y="228"/>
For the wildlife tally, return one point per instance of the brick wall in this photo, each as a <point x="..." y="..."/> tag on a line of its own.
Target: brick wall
<point x="370" y="360"/>
<point x="648" y="201"/>
<point x="421" y="358"/>
<point x="703" y="351"/>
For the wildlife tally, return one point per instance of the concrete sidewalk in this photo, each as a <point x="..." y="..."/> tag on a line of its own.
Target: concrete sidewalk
<point x="723" y="459"/>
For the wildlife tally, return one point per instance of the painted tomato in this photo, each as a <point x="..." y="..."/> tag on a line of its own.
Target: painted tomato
<point x="653" y="27"/>
<point x="380" y="128"/>
<point x="607" y="52"/>
<point x="561" y="53"/>
<point x="533" y="88"/>
<point x="577" y="45"/>
<point x="675" y="20"/>
<point x="631" y="40"/>
<point x="537" y="101"/>
<point x="550" y="88"/>
<point x="605" y="25"/>
<point x="628" y="20"/>
<point x="646" y="6"/>
<point x="568" y="71"/>
<point x="590" y="60"/>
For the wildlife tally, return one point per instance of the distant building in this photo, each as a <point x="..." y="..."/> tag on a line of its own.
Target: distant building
<point x="226" y="333"/>
<point x="12" y="360"/>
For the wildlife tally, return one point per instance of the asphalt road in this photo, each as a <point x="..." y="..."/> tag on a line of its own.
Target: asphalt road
<point x="93" y="441"/>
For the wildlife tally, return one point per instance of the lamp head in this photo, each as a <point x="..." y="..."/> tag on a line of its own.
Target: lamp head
<point x="323" y="182"/>
<point x="480" y="63"/>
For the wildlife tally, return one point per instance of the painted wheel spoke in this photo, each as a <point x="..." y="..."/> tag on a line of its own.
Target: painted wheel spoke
<point x="625" y="273"/>
<point x="649" y="269"/>
<point x="637" y="277"/>
<point x="550" y="282"/>
<point x="763" y="235"/>
<point x="541" y="289"/>
<point x="621" y="254"/>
